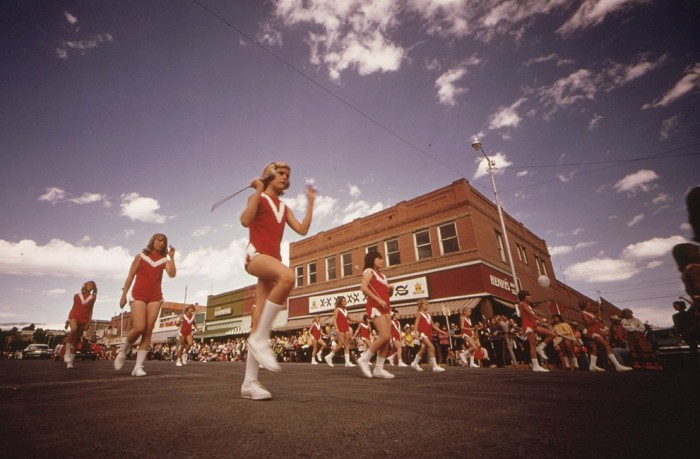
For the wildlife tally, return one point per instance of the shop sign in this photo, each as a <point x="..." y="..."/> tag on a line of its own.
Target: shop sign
<point x="222" y="312"/>
<point x="410" y="289"/>
<point x="503" y="284"/>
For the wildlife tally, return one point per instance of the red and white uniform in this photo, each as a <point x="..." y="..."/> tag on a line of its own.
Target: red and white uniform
<point x="380" y="286"/>
<point x="316" y="331"/>
<point x="425" y="325"/>
<point x="82" y="307"/>
<point x="592" y="324"/>
<point x="395" y="330"/>
<point x="187" y="323"/>
<point x="529" y="320"/>
<point x="149" y="276"/>
<point x="467" y="327"/>
<point x="266" y="229"/>
<point x="341" y="320"/>
<point x="364" y="331"/>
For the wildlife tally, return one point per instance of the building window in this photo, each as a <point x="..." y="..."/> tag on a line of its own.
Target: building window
<point x="346" y="260"/>
<point x="372" y="248"/>
<point x="312" y="273"/>
<point x="522" y="256"/>
<point x="499" y="244"/>
<point x="423" y="248"/>
<point x="299" y="274"/>
<point x="391" y="248"/>
<point x="541" y="267"/>
<point x="330" y="268"/>
<point x="448" y="238"/>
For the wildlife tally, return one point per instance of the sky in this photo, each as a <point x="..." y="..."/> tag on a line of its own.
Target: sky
<point x="121" y="119"/>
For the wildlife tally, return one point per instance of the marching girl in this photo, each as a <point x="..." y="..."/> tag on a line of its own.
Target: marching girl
<point x="316" y="339"/>
<point x="469" y="336"/>
<point x="266" y="216"/>
<point x="378" y="292"/>
<point x="342" y="327"/>
<point x="425" y="327"/>
<point x="594" y="333"/>
<point x="396" y="340"/>
<point x="187" y="328"/>
<point x="79" y="319"/>
<point x="364" y="329"/>
<point x="146" y="297"/>
<point x="531" y="328"/>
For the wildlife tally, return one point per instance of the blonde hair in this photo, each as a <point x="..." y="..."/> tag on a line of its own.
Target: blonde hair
<point x="270" y="172"/>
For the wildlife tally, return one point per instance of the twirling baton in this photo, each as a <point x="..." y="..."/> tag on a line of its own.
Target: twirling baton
<point x="218" y="203"/>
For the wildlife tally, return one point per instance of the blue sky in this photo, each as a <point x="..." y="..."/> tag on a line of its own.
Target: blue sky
<point x="122" y="119"/>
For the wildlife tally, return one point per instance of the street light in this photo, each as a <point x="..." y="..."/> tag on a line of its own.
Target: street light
<point x="476" y="145"/>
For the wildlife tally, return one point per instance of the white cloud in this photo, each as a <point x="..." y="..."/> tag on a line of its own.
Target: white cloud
<point x="56" y="195"/>
<point x="202" y="231"/>
<point x="55" y="292"/>
<point x="560" y="250"/>
<point x="447" y="87"/>
<point x="354" y="190"/>
<point x="652" y="248"/>
<point x="621" y="74"/>
<point x="577" y="86"/>
<point x="506" y="116"/>
<point x="661" y="198"/>
<point x="541" y="59"/>
<point x="654" y="264"/>
<point x="323" y="205"/>
<point x="214" y="264"/>
<point x="358" y="209"/>
<point x="72" y="20"/>
<point x="669" y="126"/>
<point x="85" y="239"/>
<point x="61" y="259"/>
<point x="636" y="219"/>
<point x="641" y="180"/>
<point x="601" y="270"/>
<point x="522" y="173"/>
<point x="53" y="195"/>
<point x="689" y="82"/>
<point x="593" y="12"/>
<point x="583" y="245"/>
<point x="595" y="122"/>
<point x="81" y="46"/>
<point x="141" y="208"/>
<point x="566" y="177"/>
<point x="127" y="233"/>
<point x="501" y="163"/>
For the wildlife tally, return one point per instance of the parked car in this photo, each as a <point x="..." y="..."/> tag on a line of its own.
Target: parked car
<point x="671" y="350"/>
<point x="37" y="351"/>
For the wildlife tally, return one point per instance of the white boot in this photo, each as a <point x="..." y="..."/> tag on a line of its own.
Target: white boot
<point x="617" y="365"/>
<point x="536" y="367"/>
<point x="540" y="350"/>
<point x="593" y="366"/>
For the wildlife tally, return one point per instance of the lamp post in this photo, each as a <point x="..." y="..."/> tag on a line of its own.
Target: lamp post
<point x="476" y="145"/>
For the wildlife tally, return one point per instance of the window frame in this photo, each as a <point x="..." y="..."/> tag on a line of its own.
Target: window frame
<point x="451" y="238"/>
<point x="417" y="247"/>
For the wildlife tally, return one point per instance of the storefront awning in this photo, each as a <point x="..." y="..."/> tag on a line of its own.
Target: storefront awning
<point x="436" y="309"/>
<point x="295" y="324"/>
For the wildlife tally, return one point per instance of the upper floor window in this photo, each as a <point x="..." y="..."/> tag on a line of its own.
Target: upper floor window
<point x="541" y="266"/>
<point x="522" y="256"/>
<point x="448" y="238"/>
<point x="372" y="248"/>
<point x="499" y="244"/>
<point x="346" y="260"/>
<point x="423" y="247"/>
<point x="393" y="257"/>
<point x="299" y="274"/>
<point x="330" y="268"/>
<point x="312" y="273"/>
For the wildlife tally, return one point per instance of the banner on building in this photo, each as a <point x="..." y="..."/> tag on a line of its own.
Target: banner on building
<point x="405" y="290"/>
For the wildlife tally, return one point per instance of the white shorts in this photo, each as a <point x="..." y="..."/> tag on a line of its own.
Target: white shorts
<point x="529" y="330"/>
<point x="375" y="313"/>
<point x="250" y="253"/>
<point x="422" y="336"/>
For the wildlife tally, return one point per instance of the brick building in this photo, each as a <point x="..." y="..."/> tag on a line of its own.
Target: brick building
<point x="446" y="246"/>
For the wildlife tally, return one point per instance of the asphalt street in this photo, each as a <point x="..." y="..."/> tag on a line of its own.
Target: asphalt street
<point x="318" y="411"/>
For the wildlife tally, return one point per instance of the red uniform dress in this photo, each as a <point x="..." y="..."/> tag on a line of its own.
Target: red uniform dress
<point x="467" y="328"/>
<point x="186" y="327"/>
<point x="82" y="307"/>
<point x="528" y="317"/>
<point x="149" y="276"/>
<point x="395" y="330"/>
<point x="425" y="325"/>
<point x="316" y="331"/>
<point x="266" y="229"/>
<point x="364" y="331"/>
<point x="592" y="325"/>
<point x="342" y="320"/>
<point x="380" y="286"/>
